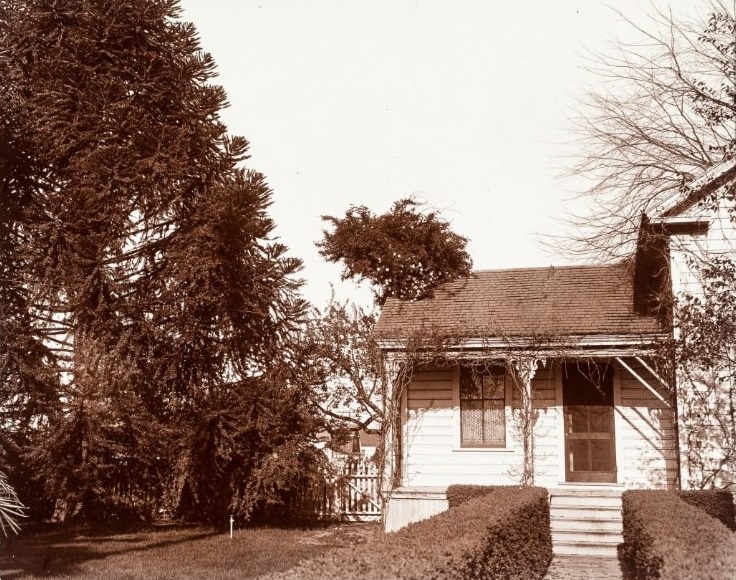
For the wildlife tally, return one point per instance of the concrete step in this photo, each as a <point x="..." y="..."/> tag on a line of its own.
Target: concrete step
<point x="586" y="521"/>
<point x="586" y="513"/>
<point x="588" y="536"/>
<point x="582" y="501"/>
<point x="566" y="525"/>
<point x="584" y="549"/>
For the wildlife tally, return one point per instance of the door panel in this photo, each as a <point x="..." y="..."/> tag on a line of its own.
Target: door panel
<point x="587" y="396"/>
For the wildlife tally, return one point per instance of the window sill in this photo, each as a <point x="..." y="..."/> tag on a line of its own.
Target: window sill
<point x="483" y="450"/>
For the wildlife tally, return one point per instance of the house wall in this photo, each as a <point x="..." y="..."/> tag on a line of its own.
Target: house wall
<point x="704" y="435"/>
<point x="432" y="455"/>
<point x="645" y="431"/>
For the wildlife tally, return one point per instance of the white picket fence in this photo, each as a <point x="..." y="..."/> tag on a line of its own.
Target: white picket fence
<point x="353" y="493"/>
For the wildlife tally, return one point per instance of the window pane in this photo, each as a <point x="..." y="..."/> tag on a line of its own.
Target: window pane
<point x="493" y="386"/>
<point x="470" y="385"/>
<point x="471" y="426"/>
<point x="494" y="423"/>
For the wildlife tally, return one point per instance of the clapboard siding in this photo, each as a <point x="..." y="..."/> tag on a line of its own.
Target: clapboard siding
<point x="432" y="456"/>
<point x="645" y="431"/>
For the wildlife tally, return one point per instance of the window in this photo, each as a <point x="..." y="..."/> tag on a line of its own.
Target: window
<point x="482" y="407"/>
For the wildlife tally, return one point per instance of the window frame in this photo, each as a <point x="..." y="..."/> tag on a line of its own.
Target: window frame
<point x="460" y="444"/>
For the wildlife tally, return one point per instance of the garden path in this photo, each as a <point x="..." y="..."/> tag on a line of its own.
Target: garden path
<point x="584" y="568"/>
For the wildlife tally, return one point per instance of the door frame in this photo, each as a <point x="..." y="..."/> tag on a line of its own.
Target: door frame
<point x="602" y="477"/>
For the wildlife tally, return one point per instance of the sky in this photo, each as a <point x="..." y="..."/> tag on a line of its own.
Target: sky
<point x="466" y="105"/>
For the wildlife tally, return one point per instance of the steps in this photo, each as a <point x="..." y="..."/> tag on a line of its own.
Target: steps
<point x="586" y="520"/>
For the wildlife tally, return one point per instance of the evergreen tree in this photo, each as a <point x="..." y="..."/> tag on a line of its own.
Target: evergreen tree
<point x="404" y="253"/>
<point x="137" y="260"/>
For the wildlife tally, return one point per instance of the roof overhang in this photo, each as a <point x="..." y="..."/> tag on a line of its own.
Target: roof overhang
<point x="673" y="225"/>
<point x="599" y="345"/>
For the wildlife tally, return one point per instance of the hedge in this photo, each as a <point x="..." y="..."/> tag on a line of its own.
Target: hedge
<point x="459" y="494"/>
<point x="667" y="538"/>
<point x="717" y="503"/>
<point x="502" y="534"/>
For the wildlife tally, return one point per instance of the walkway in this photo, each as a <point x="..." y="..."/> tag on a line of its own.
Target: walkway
<point x="584" y="568"/>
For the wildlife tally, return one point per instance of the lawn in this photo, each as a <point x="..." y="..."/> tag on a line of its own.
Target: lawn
<point x="170" y="553"/>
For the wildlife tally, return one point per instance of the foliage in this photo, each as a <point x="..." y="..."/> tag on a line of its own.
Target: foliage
<point x="404" y="253"/>
<point x="247" y="454"/>
<point x="662" y="113"/>
<point x="459" y="494"/>
<point x="11" y="508"/>
<point x="705" y="352"/>
<point x="717" y="503"/>
<point x="139" y="275"/>
<point x="502" y="534"/>
<point x="339" y="363"/>
<point x="664" y="537"/>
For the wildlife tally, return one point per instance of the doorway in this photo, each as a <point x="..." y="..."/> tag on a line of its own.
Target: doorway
<point x="590" y="445"/>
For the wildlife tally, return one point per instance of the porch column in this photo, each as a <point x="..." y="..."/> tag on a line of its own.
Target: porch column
<point x="391" y="428"/>
<point x="523" y="371"/>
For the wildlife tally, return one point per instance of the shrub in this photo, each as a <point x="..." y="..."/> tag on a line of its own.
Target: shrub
<point x="665" y="537"/>
<point x="717" y="503"/>
<point x="459" y="494"/>
<point x="503" y="534"/>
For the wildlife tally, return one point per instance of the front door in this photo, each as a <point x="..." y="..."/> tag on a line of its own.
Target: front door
<point x="587" y="397"/>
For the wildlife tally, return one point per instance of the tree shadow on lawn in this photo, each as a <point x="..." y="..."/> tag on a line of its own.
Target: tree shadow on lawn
<point x="43" y="553"/>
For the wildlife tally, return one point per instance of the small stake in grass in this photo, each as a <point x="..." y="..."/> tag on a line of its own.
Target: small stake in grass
<point x="232" y="519"/>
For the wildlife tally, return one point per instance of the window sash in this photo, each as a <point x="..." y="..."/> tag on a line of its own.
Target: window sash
<point x="482" y="409"/>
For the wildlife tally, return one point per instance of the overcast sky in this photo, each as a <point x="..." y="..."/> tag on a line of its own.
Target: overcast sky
<point x="466" y="105"/>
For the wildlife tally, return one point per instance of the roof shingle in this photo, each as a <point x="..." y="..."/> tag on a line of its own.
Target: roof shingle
<point x="552" y="301"/>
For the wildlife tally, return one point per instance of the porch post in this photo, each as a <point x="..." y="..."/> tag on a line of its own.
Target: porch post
<point x="391" y="424"/>
<point x="523" y="370"/>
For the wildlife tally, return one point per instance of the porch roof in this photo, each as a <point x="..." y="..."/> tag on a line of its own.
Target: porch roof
<point x="566" y="301"/>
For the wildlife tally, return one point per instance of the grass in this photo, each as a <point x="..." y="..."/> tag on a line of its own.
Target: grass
<point x="170" y="553"/>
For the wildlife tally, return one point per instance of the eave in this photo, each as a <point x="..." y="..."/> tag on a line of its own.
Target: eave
<point x="573" y="346"/>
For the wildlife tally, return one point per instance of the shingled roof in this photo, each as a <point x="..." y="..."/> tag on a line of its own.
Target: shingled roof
<point x="552" y="301"/>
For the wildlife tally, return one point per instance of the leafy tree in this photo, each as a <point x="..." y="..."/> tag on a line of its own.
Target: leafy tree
<point x="139" y="278"/>
<point x="405" y="253"/>
<point x="705" y="351"/>
<point x="340" y="366"/>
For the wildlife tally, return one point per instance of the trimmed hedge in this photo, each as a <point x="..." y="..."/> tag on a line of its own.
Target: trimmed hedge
<point x="665" y="537"/>
<point x="717" y="503"/>
<point x="459" y="494"/>
<point x="502" y="534"/>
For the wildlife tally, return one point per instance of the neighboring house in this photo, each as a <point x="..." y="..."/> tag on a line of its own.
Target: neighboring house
<point x="541" y="375"/>
<point x="360" y="445"/>
<point x="698" y="229"/>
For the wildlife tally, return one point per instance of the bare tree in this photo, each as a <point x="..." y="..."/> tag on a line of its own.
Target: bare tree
<point x="664" y="111"/>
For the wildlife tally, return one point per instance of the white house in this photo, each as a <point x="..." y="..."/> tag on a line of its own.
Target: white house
<point x="551" y="376"/>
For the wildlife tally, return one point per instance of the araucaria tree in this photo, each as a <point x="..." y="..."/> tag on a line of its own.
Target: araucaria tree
<point x="404" y="253"/>
<point x="143" y="302"/>
<point x="666" y="113"/>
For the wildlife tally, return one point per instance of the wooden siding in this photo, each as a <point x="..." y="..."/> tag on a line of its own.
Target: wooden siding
<point x="695" y="432"/>
<point x="645" y="435"/>
<point x="432" y="455"/>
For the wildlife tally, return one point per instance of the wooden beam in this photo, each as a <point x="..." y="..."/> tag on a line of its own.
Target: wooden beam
<point x="652" y="372"/>
<point x="642" y="381"/>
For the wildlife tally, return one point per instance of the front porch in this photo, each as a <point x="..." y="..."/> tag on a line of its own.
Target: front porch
<point x="608" y="434"/>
